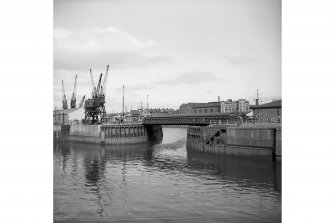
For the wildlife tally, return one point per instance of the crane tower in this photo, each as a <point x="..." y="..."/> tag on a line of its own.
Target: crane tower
<point x="64" y="97"/>
<point x="95" y="111"/>
<point x="81" y="102"/>
<point x="73" y="99"/>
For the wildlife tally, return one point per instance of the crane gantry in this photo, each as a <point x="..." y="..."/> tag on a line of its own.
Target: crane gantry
<point x="95" y="111"/>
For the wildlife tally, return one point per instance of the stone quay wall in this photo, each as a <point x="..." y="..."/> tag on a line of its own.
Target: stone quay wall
<point x="107" y="133"/>
<point x="60" y="132"/>
<point x="124" y="134"/>
<point x="233" y="140"/>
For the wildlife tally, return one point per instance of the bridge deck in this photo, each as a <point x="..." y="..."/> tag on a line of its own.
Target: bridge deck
<point x="193" y="119"/>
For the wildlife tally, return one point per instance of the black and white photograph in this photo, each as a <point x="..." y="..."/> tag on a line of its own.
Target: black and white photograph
<point x="167" y="111"/>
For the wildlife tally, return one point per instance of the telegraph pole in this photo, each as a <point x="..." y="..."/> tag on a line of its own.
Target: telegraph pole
<point x="126" y="112"/>
<point x="257" y="99"/>
<point x="257" y="105"/>
<point x="55" y="114"/>
<point x="123" y="102"/>
<point x="147" y="102"/>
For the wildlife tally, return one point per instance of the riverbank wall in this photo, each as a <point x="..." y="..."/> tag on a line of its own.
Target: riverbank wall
<point x="260" y="141"/>
<point x="108" y="133"/>
<point x="60" y="132"/>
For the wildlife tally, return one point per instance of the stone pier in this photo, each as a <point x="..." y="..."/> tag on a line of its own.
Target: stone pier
<point x="108" y="133"/>
<point x="234" y="140"/>
<point x="123" y="134"/>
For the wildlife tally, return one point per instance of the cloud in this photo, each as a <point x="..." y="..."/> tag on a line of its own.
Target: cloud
<point x="208" y="91"/>
<point x="81" y="49"/>
<point x="193" y="77"/>
<point x="60" y="34"/>
<point x="132" y="88"/>
<point x="240" y="60"/>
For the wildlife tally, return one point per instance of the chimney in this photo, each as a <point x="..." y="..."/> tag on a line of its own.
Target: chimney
<point x="219" y="99"/>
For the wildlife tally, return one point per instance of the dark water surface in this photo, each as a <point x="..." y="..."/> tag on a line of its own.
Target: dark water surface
<point x="162" y="183"/>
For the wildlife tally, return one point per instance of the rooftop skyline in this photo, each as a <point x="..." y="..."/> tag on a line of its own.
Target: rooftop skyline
<point x="174" y="51"/>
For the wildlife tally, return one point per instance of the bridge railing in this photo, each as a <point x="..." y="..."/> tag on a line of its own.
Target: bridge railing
<point x="193" y="120"/>
<point x="223" y="122"/>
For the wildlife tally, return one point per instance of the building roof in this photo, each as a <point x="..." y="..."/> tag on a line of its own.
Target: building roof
<point x="65" y="111"/>
<point x="190" y="104"/>
<point x="135" y="112"/>
<point x="209" y="104"/>
<point x="274" y="104"/>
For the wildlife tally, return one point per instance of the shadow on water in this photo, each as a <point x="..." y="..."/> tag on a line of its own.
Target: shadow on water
<point x="63" y="152"/>
<point x="94" y="160"/>
<point x="245" y="170"/>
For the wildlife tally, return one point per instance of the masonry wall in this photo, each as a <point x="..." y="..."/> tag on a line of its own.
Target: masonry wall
<point x="255" y="137"/>
<point x="61" y="118"/>
<point x="60" y="132"/>
<point x="234" y="140"/>
<point x="85" y="130"/>
<point x="124" y="134"/>
<point x="105" y="134"/>
<point x="269" y="113"/>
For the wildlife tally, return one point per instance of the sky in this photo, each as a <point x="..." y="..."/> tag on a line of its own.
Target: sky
<point x="175" y="51"/>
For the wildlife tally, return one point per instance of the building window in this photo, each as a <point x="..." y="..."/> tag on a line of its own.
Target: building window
<point x="211" y="110"/>
<point x="205" y="110"/>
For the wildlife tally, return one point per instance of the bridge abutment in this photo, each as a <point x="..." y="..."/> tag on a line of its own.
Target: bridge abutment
<point x="155" y="132"/>
<point x="109" y="134"/>
<point x="235" y="141"/>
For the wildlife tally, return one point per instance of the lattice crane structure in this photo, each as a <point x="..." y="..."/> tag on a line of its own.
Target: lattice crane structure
<point x="64" y="97"/>
<point x="95" y="111"/>
<point x="73" y="99"/>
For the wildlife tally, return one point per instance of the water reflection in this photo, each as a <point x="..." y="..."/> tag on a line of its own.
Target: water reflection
<point x="246" y="171"/>
<point x="94" y="171"/>
<point x="161" y="182"/>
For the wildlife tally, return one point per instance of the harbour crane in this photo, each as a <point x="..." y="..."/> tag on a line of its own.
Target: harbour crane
<point x="92" y="83"/>
<point x="98" y="86"/>
<point x="81" y="102"/>
<point x="64" y="97"/>
<point x="105" y="81"/>
<point x="95" y="111"/>
<point x="73" y="99"/>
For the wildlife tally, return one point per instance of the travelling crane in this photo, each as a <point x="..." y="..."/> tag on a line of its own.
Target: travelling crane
<point x="98" y="86"/>
<point x="81" y="102"/>
<point x="92" y="82"/>
<point x="105" y="81"/>
<point x="64" y="97"/>
<point x="95" y="111"/>
<point x="73" y="99"/>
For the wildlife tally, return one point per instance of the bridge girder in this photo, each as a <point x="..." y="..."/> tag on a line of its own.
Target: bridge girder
<point x="192" y="119"/>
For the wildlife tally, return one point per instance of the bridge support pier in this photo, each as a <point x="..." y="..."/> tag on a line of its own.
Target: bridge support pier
<point x="155" y="132"/>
